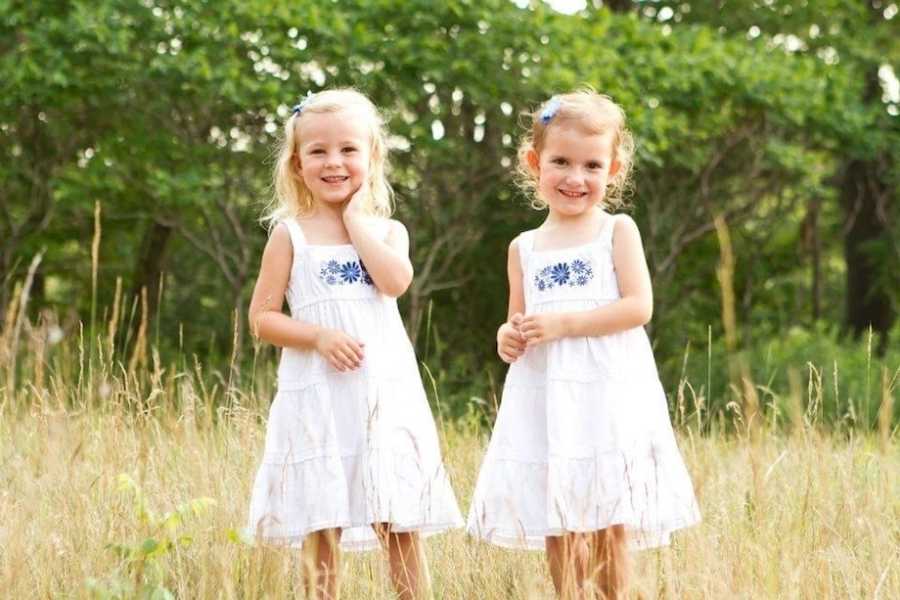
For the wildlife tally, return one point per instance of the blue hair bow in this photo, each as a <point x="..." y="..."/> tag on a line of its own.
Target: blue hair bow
<point x="298" y="108"/>
<point x="550" y="110"/>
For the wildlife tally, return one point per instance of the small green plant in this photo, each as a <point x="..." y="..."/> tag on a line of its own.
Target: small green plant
<point x="141" y="572"/>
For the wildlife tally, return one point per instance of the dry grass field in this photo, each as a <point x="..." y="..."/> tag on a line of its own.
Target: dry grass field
<point x="122" y="477"/>
<point x="90" y="497"/>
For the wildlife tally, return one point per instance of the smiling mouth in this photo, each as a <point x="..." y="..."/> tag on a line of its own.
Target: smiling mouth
<point x="335" y="178"/>
<point x="571" y="194"/>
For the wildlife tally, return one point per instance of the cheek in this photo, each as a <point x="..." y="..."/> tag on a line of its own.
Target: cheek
<point x="310" y="164"/>
<point x="361" y="166"/>
<point x="598" y="181"/>
<point x="550" y="177"/>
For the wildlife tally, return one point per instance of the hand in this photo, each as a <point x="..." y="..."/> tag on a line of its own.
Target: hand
<point x="355" y="206"/>
<point x="537" y="329"/>
<point x="340" y="350"/>
<point x="510" y="343"/>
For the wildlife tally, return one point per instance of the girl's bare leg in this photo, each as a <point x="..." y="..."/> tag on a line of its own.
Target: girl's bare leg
<point x="321" y="558"/>
<point x="610" y="562"/>
<point x="406" y="559"/>
<point x="567" y="556"/>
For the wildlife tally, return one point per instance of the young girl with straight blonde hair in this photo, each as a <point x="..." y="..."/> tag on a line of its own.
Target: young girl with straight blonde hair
<point x="351" y="457"/>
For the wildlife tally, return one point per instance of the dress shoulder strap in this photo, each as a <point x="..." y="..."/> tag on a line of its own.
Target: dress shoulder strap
<point x="297" y="237"/>
<point x="525" y="245"/>
<point x="605" y="237"/>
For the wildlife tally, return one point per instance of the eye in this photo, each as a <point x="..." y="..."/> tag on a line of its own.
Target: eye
<point x="317" y="151"/>
<point x="348" y="149"/>
<point x="595" y="165"/>
<point x="558" y="160"/>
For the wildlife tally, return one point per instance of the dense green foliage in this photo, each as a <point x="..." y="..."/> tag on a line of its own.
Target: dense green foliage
<point x="165" y="113"/>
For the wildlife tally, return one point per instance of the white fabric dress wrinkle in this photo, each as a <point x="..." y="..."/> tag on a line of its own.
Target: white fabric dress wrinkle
<point x="348" y="449"/>
<point x="582" y="439"/>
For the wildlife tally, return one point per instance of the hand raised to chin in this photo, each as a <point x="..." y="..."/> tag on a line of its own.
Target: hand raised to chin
<point x="355" y="206"/>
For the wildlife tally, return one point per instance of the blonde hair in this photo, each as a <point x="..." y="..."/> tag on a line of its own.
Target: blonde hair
<point x="291" y="197"/>
<point x="596" y="114"/>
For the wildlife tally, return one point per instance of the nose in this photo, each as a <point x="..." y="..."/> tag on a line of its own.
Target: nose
<point x="333" y="159"/>
<point x="574" y="176"/>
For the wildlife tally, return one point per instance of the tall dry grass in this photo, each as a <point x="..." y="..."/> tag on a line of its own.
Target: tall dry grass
<point x="121" y="475"/>
<point x="800" y="516"/>
<point x="789" y="512"/>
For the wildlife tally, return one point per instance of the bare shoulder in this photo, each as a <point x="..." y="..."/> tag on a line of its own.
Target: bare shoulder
<point x="278" y="255"/>
<point x="396" y="227"/>
<point x="280" y="230"/>
<point x="280" y="238"/>
<point x="393" y="232"/>
<point x="625" y="230"/>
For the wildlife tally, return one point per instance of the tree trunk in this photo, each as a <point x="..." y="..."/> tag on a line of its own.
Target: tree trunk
<point x="813" y="245"/>
<point x="149" y="265"/>
<point x="865" y="196"/>
<point x="862" y="194"/>
<point x="619" y="6"/>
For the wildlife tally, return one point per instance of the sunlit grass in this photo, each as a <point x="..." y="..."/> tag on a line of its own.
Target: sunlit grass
<point x="801" y="516"/>
<point x="792" y="507"/>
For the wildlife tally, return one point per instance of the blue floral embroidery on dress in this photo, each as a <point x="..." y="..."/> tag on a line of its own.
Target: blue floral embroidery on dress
<point x="348" y="273"/>
<point x="576" y="273"/>
<point x="366" y="278"/>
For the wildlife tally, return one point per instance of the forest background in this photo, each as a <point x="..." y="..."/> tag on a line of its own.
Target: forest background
<point x="137" y="137"/>
<point x="136" y="143"/>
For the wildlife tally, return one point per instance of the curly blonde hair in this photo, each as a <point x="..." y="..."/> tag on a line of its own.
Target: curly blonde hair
<point x="595" y="113"/>
<point x="291" y="197"/>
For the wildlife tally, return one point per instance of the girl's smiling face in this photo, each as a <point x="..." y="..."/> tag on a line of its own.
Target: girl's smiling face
<point x="573" y="168"/>
<point x="333" y="155"/>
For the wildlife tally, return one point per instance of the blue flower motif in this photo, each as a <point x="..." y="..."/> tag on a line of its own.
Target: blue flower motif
<point x="333" y="272"/>
<point x="367" y="279"/>
<point x="350" y="272"/>
<point x="577" y="273"/>
<point x="560" y="274"/>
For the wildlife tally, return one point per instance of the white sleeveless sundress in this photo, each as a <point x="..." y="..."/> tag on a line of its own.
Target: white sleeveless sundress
<point x="582" y="439"/>
<point x="348" y="449"/>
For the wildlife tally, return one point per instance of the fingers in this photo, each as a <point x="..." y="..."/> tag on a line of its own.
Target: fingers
<point x="527" y="327"/>
<point x="347" y="359"/>
<point x="510" y="340"/>
<point x="511" y="337"/>
<point x="362" y="190"/>
<point x="534" y="336"/>
<point x="510" y="353"/>
<point x="510" y="344"/>
<point x="531" y="330"/>
<point x="346" y="354"/>
<point x="512" y="329"/>
<point x="355" y="349"/>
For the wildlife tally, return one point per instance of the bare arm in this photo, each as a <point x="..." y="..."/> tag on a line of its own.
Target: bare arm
<point x="633" y="309"/>
<point x="268" y="323"/>
<point x="386" y="261"/>
<point x="510" y="343"/>
<point x="514" y="273"/>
